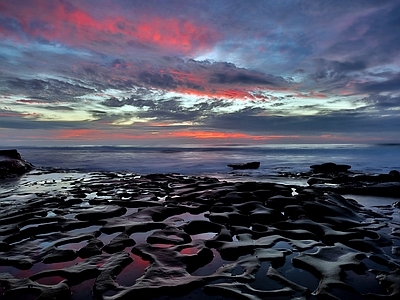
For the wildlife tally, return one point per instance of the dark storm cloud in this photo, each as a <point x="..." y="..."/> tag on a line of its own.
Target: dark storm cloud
<point x="334" y="122"/>
<point x="240" y="78"/>
<point x="136" y="102"/>
<point x="208" y="106"/>
<point x="372" y="36"/>
<point x="391" y="84"/>
<point x="114" y="102"/>
<point x="336" y="70"/>
<point x="383" y="102"/>
<point x="46" y="89"/>
<point x="158" y="80"/>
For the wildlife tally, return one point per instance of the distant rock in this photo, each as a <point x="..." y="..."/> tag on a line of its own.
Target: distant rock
<point x="11" y="164"/>
<point x="11" y="154"/>
<point x="329" y="167"/>
<point x="249" y="165"/>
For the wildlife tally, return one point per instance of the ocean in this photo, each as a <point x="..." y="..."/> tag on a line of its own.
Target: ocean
<point x="212" y="161"/>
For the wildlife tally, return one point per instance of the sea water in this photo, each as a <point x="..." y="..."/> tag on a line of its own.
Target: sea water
<point x="275" y="159"/>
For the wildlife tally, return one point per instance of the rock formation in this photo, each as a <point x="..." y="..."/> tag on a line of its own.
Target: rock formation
<point x="11" y="164"/>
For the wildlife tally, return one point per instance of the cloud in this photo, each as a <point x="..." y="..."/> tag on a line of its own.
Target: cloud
<point x="336" y="70"/>
<point x="71" y="25"/>
<point x="317" y="67"/>
<point x="383" y="102"/>
<point x="371" y="34"/>
<point x="360" y="121"/>
<point x="45" y="89"/>
<point x="391" y="84"/>
<point x="163" y="81"/>
<point x="240" y="78"/>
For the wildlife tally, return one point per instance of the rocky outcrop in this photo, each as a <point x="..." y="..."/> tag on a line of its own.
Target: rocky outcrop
<point x="340" y="180"/>
<point x="329" y="168"/>
<point x="11" y="164"/>
<point x="249" y="165"/>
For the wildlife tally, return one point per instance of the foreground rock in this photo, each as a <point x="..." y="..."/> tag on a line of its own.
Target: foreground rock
<point x="119" y="236"/>
<point x="11" y="164"/>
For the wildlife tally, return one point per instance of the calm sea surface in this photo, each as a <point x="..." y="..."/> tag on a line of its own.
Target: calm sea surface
<point x="212" y="161"/>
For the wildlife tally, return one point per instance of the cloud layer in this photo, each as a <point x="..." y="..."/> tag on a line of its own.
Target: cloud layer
<point x="183" y="71"/>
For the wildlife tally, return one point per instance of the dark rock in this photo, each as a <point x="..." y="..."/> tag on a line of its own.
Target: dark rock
<point x="11" y="164"/>
<point x="91" y="249"/>
<point x="394" y="173"/>
<point x="182" y="246"/>
<point x="4" y="247"/>
<point x="99" y="213"/>
<point x="329" y="168"/>
<point x="119" y="243"/>
<point x="279" y="202"/>
<point x="57" y="255"/>
<point x="249" y="165"/>
<point x="12" y="154"/>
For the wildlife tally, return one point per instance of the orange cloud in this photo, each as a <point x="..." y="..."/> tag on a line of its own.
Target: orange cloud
<point x="216" y="92"/>
<point x="111" y="135"/>
<point x="213" y="135"/>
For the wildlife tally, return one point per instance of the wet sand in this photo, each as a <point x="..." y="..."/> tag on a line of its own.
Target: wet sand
<point x="66" y="235"/>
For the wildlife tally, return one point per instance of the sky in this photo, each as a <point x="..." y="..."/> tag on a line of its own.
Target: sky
<point x="221" y="72"/>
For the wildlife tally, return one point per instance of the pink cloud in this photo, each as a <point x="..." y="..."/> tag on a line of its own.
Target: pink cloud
<point x="75" y="27"/>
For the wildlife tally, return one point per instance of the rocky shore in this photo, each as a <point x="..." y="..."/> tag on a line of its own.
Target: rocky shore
<point x="11" y="164"/>
<point x="66" y="235"/>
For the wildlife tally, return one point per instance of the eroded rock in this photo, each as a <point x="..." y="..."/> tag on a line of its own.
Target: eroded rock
<point x="171" y="235"/>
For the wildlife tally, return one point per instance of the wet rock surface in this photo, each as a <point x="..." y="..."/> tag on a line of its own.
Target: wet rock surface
<point x="331" y="177"/>
<point x="168" y="236"/>
<point x="11" y="164"/>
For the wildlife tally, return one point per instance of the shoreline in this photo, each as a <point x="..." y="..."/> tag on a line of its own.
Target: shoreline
<point x="110" y="235"/>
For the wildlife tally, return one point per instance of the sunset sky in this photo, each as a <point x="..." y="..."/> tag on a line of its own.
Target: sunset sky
<point x="197" y="71"/>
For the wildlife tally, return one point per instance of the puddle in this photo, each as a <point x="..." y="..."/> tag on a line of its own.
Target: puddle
<point x="298" y="275"/>
<point x="211" y="267"/>
<point x="90" y="229"/>
<point x="73" y="246"/>
<point x="163" y="245"/>
<point x="38" y="267"/>
<point x="107" y="238"/>
<point x="53" y="280"/>
<point x="132" y="272"/>
<point x="282" y="245"/>
<point x="364" y="283"/>
<point x="83" y="291"/>
<point x="140" y="237"/>
<point x="262" y="281"/>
